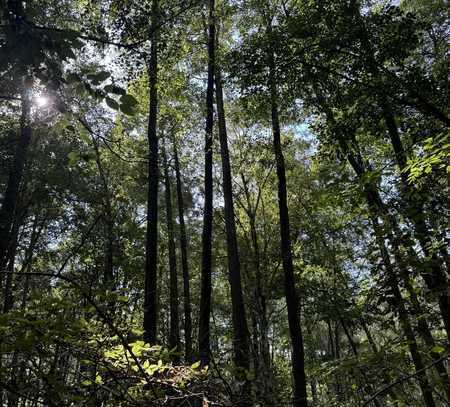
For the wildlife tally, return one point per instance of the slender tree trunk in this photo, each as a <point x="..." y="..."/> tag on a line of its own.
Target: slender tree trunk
<point x="184" y="261"/>
<point x="151" y="253"/>
<point x="108" y="219"/>
<point x="292" y="300"/>
<point x="108" y="275"/>
<point x="18" y="363"/>
<point x="376" y="209"/>
<point x="8" y="209"/>
<point x="432" y="266"/>
<point x="262" y="366"/>
<point x="174" y="333"/>
<point x="354" y="347"/>
<point x="424" y="331"/>
<point x="11" y="259"/>
<point x="205" y="295"/>
<point x="392" y="393"/>
<point x="9" y="296"/>
<point x="398" y="303"/>
<point x="36" y="232"/>
<point x="241" y="339"/>
<point x="241" y="333"/>
<point x="423" y="328"/>
<point x="432" y="269"/>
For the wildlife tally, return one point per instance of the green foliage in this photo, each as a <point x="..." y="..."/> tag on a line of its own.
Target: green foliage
<point x="73" y="335"/>
<point x="435" y="158"/>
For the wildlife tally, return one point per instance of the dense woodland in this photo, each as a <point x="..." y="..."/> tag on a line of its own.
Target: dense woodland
<point x="224" y="203"/>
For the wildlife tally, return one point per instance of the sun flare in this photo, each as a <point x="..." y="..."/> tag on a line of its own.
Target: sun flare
<point x="41" y="101"/>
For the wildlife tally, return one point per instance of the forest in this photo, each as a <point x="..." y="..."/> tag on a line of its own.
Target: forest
<point x="224" y="203"/>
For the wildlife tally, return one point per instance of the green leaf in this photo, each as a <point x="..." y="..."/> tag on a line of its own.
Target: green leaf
<point x="112" y="103"/>
<point x="128" y="100"/>
<point x="138" y="347"/>
<point x="99" y="76"/>
<point x="86" y="382"/>
<point x="102" y="76"/>
<point x="73" y="77"/>
<point x="195" y="365"/>
<point x="73" y="157"/>
<point x="128" y="110"/>
<point x="84" y="136"/>
<point x="437" y="349"/>
<point x="116" y="90"/>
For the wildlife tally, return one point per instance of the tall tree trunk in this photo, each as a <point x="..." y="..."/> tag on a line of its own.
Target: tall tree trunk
<point x="8" y="209"/>
<point x="205" y="295"/>
<point x="151" y="252"/>
<point x="376" y="210"/>
<point x="184" y="261"/>
<point x="174" y="332"/>
<point x="263" y="368"/>
<point x="354" y="347"/>
<point x="108" y="218"/>
<point x="9" y="295"/>
<point x="375" y="202"/>
<point x="399" y="304"/>
<point x="424" y="331"/>
<point x="432" y="267"/>
<point x="241" y="338"/>
<point x="108" y="275"/>
<point x="292" y="300"/>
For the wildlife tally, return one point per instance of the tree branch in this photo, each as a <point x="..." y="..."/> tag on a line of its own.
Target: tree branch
<point x="403" y="379"/>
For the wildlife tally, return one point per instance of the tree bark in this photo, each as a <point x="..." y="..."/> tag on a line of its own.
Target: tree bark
<point x="174" y="333"/>
<point x="151" y="252"/>
<point x="292" y="300"/>
<point x="9" y="295"/>
<point x="399" y="304"/>
<point x="205" y="296"/>
<point x="241" y="337"/>
<point x="241" y="333"/>
<point x="375" y="205"/>
<point x="263" y="368"/>
<point x="184" y="261"/>
<point x="108" y="218"/>
<point x="108" y="274"/>
<point x="9" y="206"/>
<point x="431" y="266"/>
<point x="432" y="270"/>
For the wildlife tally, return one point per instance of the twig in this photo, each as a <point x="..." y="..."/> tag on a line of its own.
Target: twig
<point x="403" y="379"/>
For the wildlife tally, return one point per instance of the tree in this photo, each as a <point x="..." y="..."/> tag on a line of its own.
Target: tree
<point x="174" y="336"/>
<point x="151" y="254"/>
<point x="292" y="302"/>
<point x="241" y="340"/>
<point x="205" y="295"/>
<point x="312" y="239"/>
<point x="184" y="259"/>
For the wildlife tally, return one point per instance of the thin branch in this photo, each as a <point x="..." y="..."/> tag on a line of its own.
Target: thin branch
<point x="106" y="41"/>
<point x="9" y="97"/>
<point x="403" y="379"/>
